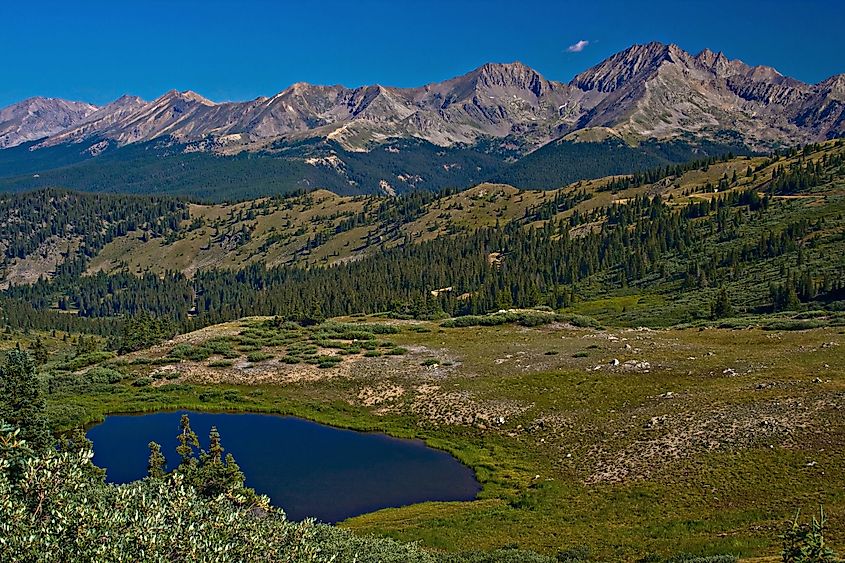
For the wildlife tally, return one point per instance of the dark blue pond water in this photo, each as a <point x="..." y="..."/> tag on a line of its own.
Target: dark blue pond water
<point x="308" y="469"/>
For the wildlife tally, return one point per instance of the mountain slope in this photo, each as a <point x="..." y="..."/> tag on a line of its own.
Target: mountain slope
<point x="494" y="100"/>
<point x="36" y="118"/>
<point x="322" y="228"/>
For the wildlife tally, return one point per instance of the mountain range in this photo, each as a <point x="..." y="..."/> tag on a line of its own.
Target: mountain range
<point x="653" y="93"/>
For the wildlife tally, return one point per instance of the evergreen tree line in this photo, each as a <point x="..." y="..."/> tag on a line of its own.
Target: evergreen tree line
<point x="803" y="175"/>
<point x="32" y="218"/>
<point x="656" y="174"/>
<point x="488" y="269"/>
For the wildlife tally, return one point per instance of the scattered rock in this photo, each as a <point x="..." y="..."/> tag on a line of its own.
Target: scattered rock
<point x="637" y="365"/>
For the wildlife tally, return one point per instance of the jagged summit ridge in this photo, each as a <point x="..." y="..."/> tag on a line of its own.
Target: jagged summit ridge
<point x="653" y="90"/>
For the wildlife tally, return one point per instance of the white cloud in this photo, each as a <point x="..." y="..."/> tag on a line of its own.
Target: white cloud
<point x="577" y="47"/>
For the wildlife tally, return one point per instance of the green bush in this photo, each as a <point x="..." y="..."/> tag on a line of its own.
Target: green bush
<point x="85" y="360"/>
<point x="256" y="357"/>
<point x="804" y="542"/>
<point x="105" y="375"/>
<point x="523" y="318"/>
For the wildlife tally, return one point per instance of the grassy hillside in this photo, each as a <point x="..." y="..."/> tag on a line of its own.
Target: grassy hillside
<point x="751" y="234"/>
<point x="280" y="229"/>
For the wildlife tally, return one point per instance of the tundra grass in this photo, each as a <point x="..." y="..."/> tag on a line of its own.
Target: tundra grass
<point x="628" y="441"/>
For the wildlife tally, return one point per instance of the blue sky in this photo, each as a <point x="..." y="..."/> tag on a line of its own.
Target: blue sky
<point x="228" y="50"/>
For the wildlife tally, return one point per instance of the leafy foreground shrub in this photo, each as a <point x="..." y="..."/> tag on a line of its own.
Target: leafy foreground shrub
<point x="805" y="543"/>
<point x="55" y="506"/>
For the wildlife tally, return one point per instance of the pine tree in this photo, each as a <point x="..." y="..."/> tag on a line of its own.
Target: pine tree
<point x="39" y="350"/>
<point x="187" y="442"/>
<point x="21" y="401"/>
<point x="722" y="306"/>
<point x="156" y="463"/>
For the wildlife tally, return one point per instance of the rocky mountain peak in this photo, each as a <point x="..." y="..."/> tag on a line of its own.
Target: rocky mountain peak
<point x="634" y="63"/>
<point x="833" y="87"/>
<point x="184" y="96"/>
<point x="38" y="117"/>
<point x="511" y="75"/>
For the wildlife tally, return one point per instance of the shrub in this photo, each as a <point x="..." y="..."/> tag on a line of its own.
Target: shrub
<point x="805" y="543"/>
<point x="256" y="357"/>
<point x="181" y="350"/>
<point x="85" y="360"/>
<point x="105" y="375"/>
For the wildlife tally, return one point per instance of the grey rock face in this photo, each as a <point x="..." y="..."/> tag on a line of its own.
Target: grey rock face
<point x="36" y="118"/>
<point x="646" y="91"/>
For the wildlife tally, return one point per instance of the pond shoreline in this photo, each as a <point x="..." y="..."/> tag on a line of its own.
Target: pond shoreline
<point x="305" y="467"/>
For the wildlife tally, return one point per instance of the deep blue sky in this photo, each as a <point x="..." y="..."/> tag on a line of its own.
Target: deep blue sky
<point x="229" y="50"/>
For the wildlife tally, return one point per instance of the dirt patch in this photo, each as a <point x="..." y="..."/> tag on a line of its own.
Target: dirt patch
<point x="372" y="396"/>
<point x="683" y="434"/>
<point x="263" y="373"/>
<point x="463" y="408"/>
<point x="41" y="262"/>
